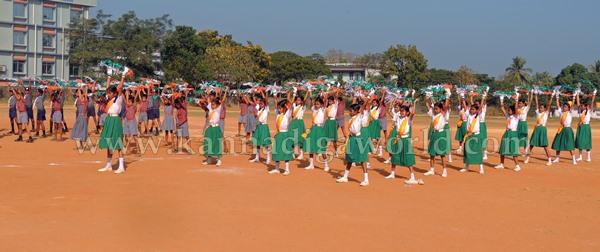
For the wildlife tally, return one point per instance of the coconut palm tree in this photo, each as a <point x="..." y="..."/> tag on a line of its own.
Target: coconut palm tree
<point x="595" y="68"/>
<point x="517" y="71"/>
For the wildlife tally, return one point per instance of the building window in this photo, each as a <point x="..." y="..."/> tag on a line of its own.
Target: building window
<point x="76" y="15"/>
<point x="19" y="66"/>
<point x="48" y="40"/>
<point x="74" y="70"/>
<point x="19" y="38"/>
<point x="20" y="10"/>
<point x="48" y="13"/>
<point x="351" y="76"/>
<point x="48" y="68"/>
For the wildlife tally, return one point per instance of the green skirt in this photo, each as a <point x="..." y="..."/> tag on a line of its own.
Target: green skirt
<point x="539" y="137"/>
<point x="510" y="144"/>
<point x="583" y="141"/>
<point x="112" y="134"/>
<point x="483" y="135"/>
<point x="564" y="141"/>
<point x="355" y="150"/>
<point x="283" y="149"/>
<point x="522" y="133"/>
<point x="296" y="129"/>
<point x="438" y="144"/>
<point x="315" y="142"/>
<point x="375" y="129"/>
<point x="473" y="150"/>
<point x="262" y="136"/>
<point x="330" y="130"/>
<point x="461" y="132"/>
<point x="390" y="140"/>
<point x="368" y="142"/>
<point x="448" y="135"/>
<point x="403" y="153"/>
<point x="213" y="142"/>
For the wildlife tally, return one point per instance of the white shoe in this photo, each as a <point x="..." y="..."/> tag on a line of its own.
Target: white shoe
<point x="105" y="169"/>
<point x="274" y="171"/>
<point x="517" y="168"/>
<point x="120" y="170"/>
<point x="368" y="165"/>
<point x="429" y="173"/>
<point x="310" y="167"/>
<point x="444" y="174"/>
<point x="411" y="182"/>
<point x="254" y="160"/>
<point x="335" y="155"/>
<point x="391" y="176"/>
<point x="481" y="171"/>
<point x="485" y="157"/>
<point x="449" y="160"/>
<point x="326" y="169"/>
<point x="342" y="180"/>
<point x="464" y="170"/>
<point x="579" y="159"/>
<point x="526" y="160"/>
<point x="574" y="162"/>
<point x="219" y="163"/>
<point x="364" y="183"/>
<point x="556" y="160"/>
<point x="549" y="163"/>
<point x="286" y="173"/>
<point x="458" y="151"/>
<point x="380" y="154"/>
<point x="588" y="160"/>
<point x="205" y="163"/>
<point x="353" y="164"/>
<point x="299" y="157"/>
<point x="500" y="166"/>
<point x="267" y="162"/>
<point x="388" y="161"/>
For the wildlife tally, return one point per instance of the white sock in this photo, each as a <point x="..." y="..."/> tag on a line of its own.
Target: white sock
<point x="268" y="155"/>
<point x="580" y="153"/>
<point x="412" y="176"/>
<point x="449" y="157"/>
<point x="121" y="166"/>
<point x="432" y="169"/>
<point x="574" y="158"/>
<point x="380" y="149"/>
<point x="460" y="147"/>
<point x="301" y="153"/>
<point x="287" y="166"/>
<point x="481" y="167"/>
<point x="346" y="173"/>
<point x="312" y="162"/>
<point x="366" y="176"/>
<point x="326" y="164"/>
<point x="444" y="171"/>
<point x="393" y="173"/>
<point x="549" y="159"/>
<point x="589" y="154"/>
<point x="256" y="156"/>
<point x="108" y="162"/>
<point x="557" y="157"/>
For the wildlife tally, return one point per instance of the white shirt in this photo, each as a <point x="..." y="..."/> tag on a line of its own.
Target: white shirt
<point x="482" y="113"/>
<point x="395" y="115"/>
<point x="464" y="113"/>
<point x="513" y="122"/>
<point x="568" y="120"/>
<point x="214" y="118"/>
<point x="470" y="120"/>
<point x="332" y="110"/>
<point x="544" y="119"/>
<point x="299" y="111"/>
<point x="588" y="116"/>
<point x="262" y="114"/>
<point x="115" y="109"/>
<point x="355" y="124"/>
<point x="365" y="118"/>
<point x="285" y="120"/>
<point x="447" y="116"/>
<point x="441" y="123"/>
<point x="375" y="113"/>
<point x="523" y="114"/>
<point x="318" y="116"/>
<point x="399" y="122"/>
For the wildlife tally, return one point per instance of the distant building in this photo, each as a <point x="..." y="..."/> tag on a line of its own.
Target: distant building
<point x="352" y="72"/>
<point x="35" y="37"/>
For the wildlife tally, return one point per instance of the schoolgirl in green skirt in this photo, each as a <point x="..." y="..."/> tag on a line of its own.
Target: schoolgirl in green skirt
<point x="213" y="135"/>
<point x="509" y="145"/>
<point x="354" y="148"/>
<point x="393" y="132"/>
<point x="564" y="139"/>
<point x="539" y="137"/>
<point x="438" y="143"/>
<point x="402" y="149"/>
<point x="330" y="129"/>
<point x="262" y="134"/>
<point x="461" y="127"/>
<point x="315" y="141"/>
<point x="472" y="141"/>
<point x="282" y="146"/>
<point x="583" y="140"/>
<point x="111" y="137"/>
<point x="297" y="127"/>
<point x="522" y="130"/>
<point x="483" y="135"/>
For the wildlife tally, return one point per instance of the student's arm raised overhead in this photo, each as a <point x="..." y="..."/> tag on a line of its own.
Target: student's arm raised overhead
<point x="502" y="107"/>
<point x="412" y="113"/>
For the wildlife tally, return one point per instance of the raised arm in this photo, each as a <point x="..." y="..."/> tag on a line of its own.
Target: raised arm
<point x="502" y="107"/>
<point x="428" y="102"/>
<point x="537" y="104"/>
<point x="412" y="113"/>
<point x="225" y="95"/>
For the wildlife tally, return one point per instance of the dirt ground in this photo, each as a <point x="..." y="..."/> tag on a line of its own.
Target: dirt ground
<point x="53" y="199"/>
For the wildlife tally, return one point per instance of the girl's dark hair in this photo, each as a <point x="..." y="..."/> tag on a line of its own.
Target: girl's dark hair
<point x="112" y="89"/>
<point x="282" y="104"/>
<point x="568" y="105"/>
<point x="523" y="101"/>
<point x="377" y="101"/>
<point x="330" y="98"/>
<point x="584" y="104"/>
<point x="340" y="98"/>
<point x="300" y="97"/>
<point x="131" y="99"/>
<point x="475" y="106"/>
<point x="439" y="105"/>
<point x="355" y="107"/>
<point x="144" y="96"/>
<point x="405" y="108"/>
<point x="319" y="100"/>
<point x="543" y="105"/>
<point x="41" y="91"/>
<point x="260" y="99"/>
<point x="513" y="108"/>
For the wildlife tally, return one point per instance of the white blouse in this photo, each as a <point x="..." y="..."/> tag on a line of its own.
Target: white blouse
<point x="332" y="110"/>
<point x="523" y="114"/>
<point x="399" y="122"/>
<point x="588" y="116"/>
<point x="355" y="125"/>
<point x="543" y="116"/>
<point x="214" y="118"/>
<point x="115" y="109"/>
<point x="482" y="113"/>
<point x="263" y="114"/>
<point x="298" y="111"/>
<point x="470" y="120"/>
<point x="285" y="120"/>
<point x="441" y="123"/>
<point x="365" y="118"/>
<point x="318" y="116"/>
<point x="513" y="122"/>
<point x="568" y="119"/>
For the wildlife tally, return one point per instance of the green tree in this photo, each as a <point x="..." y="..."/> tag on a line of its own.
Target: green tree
<point x="441" y="76"/>
<point x="262" y="60"/>
<point x="465" y="75"/>
<point x="517" y="72"/>
<point x="288" y="66"/>
<point x="231" y="63"/>
<point x="407" y="64"/>
<point x="87" y="45"/>
<point x="575" y="73"/>
<point x="183" y="55"/>
<point x="371" y="62"/>
<point x="543" y="79"/>
<point x="595" y="68"/>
